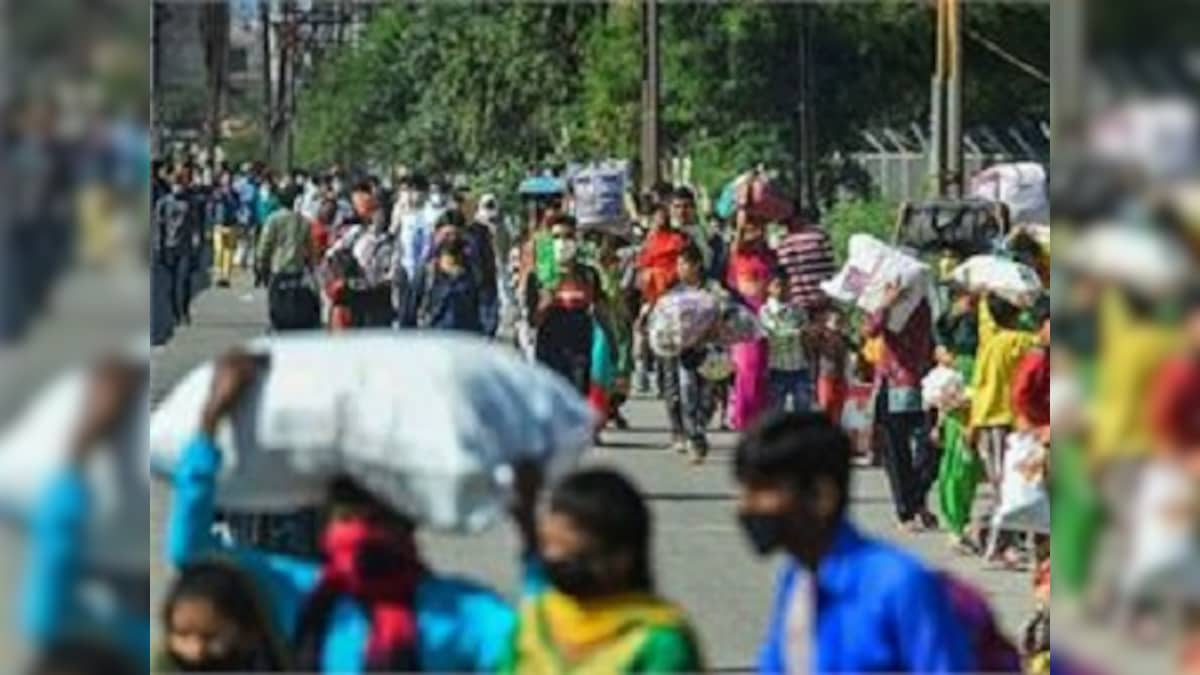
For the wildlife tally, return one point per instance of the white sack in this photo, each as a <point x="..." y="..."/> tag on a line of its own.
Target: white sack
<point x="1013" y="281"/>
<point x="1141" y="258"/>
<point x="36" y="448"/>
<point x="1021" y="186"/>
<point x="870" y="266"/>
<point x="425" y="421"/>
<point x="943" y="388"/>
<point x="1165" y="557"/>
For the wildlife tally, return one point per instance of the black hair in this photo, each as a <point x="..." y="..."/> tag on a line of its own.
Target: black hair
<point x="418" y="182"/>
<point x="363" y="186"/>
<point x="82" y="656"/>
<point x="1041" y="310"/>
<point x="662" y="191"/>
<point x="684" y="193"/>
<point x="692" y="254"/>
<point x="1006" y="314"/>
<point x="799" y="448"/>
<point x="345" y="491"/>
<point x="453" y="247"/>
<point x="450" y="217"/>
<point x="609" y="508"/>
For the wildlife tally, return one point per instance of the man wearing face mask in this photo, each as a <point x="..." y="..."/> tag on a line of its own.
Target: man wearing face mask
<point x="563" y="313"/>
<point x="416" y="227"/>
<point x="589" y="600"/>
<point x="372" y="604"/>
<point x="879" y="609"/>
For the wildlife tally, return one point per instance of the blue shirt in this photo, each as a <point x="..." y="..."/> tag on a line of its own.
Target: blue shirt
<point x="461" y="627"/>
<point x="878" y="609"/>
<point x="51" y="603"/>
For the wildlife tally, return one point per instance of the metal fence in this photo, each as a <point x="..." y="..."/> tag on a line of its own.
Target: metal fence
<point x="898" y="163"/>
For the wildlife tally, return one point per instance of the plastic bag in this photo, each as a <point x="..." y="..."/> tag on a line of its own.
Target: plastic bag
<point x="598" y="193"/>
<point x="943" y="388"/>
<point x="870" y="266"/>
<point x="1024" y="502"/>
<point x="717" y="365"/>
<point x="680" y="320"/>
<point x="737" y="324"/>
<point x="1142" y="258"/>
<point x="36" y="449"/>
<point x="1021" y="186"/>
<point x="1013" y="281"/>
<point x="1165" y="556"/>
<point x="424" y="421"/>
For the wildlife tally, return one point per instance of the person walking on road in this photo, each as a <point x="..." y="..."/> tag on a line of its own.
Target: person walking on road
<point x="222" y="222"/>
<point x="908" y="456"/>
<point x="175" y="236"/>
<point x="445" y="295"/>
<point x="286" y="256"/>
<point x="564" y="313"/>
<point x="844" y="602"/>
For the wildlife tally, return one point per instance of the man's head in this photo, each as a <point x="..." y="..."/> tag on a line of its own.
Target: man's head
<point x="793" y="473"/>
<point x="566" y="243"/>
<point x="489" y="209"/>
<point x="362" y="197"/>
<point x="777" y="286"/>
<point x="683" y="207"/>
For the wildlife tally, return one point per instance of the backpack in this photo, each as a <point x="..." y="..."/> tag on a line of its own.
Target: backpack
<point x="967" y="227"/>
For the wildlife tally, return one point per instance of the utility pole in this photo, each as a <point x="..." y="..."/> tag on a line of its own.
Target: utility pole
<point x="805" y="174"/>
<point x="1068" y="49"/>
<point x="650" y="165"/>
<point x="264" y="22"/>
<point x="937" y="104"/>
<point x="954" y="100"/>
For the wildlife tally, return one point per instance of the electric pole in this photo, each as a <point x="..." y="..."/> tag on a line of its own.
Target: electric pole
<point x="650" y="165"/>
<point x="954" y="100"/>
<point x="1067" y="57"/>
<point x="805" y="173"/>
<point x="937" y="104"/>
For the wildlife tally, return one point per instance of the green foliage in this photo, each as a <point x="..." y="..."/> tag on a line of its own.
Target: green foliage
<point x="858" y="216"/>
<point x="492" y="89"/>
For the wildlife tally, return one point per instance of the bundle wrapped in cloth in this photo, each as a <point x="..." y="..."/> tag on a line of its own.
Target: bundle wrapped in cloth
<point x="870" y="266"/>
<point x="681" y="320"/>
<point x="427" y="422"/>
<point x="754" y="192"/>
<point x="1008" y="279"/>
<point x="943" y="388"/>
<point x="37" y="448"/>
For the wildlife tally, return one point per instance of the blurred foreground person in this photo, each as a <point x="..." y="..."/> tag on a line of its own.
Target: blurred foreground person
<point x="590" y="603"/>
<point x="55" y="604"/>
<point x="372" y="604"/>
<point x="82" y="656"/>
<point x="845" y="602"/>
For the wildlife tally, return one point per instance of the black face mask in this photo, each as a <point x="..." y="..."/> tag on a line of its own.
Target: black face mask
<point x="764" y="530"/>
<point x="575" y="577"/>
<point x="374" y="560"/>
<point x="231" y="663"/>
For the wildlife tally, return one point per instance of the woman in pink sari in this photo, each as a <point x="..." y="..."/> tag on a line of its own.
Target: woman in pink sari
<point x="750" y="266"/>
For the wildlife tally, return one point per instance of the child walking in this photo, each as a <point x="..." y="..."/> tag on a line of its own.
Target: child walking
<point x="783" y="323"/>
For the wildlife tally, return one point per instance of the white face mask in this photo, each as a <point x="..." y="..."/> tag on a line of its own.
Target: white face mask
<point x="565" y="249"/>
<point x="437" y="199"/>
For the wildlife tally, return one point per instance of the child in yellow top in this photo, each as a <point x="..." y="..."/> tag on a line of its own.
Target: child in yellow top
<point x="1001" y="346"/>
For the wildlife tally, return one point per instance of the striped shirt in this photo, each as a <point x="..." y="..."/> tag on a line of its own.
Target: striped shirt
<point x="807" y="257"/>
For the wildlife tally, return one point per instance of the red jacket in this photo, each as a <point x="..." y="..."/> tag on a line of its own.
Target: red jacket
<point x="1174" y="405"/>
<point x="658" y="262"/>
<point x="1031" y="387"/>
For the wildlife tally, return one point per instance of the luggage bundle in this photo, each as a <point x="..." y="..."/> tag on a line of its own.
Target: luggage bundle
<point x="754" y="192"/>
<point x="964" y="226"/>
<point x="870" y="266"/>
<point x="427" y="422"/>
<point x="1014" y="282"/>
<point x="681" y="320"/>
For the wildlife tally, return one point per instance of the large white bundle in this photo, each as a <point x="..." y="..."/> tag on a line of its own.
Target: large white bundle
<point x="1158" y="137"/>
<point x="425" y="421"/>
<point x="37" y="448"/>
<point x="1024" y="502"/>
<point x="1011" y="280"/>
<point x="1142" y="258"/>
<point x="870" y="266"/>
<point x="1021" y="186"/>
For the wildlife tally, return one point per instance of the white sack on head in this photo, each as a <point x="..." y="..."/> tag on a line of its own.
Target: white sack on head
<point x="1142" y="258"/>
<point x="870" y="266"/>
<point x="422" y="420"/>
<point x="1015" y="282"/>
<point x="36" y="448"/>
<point x="1021" y="186"/>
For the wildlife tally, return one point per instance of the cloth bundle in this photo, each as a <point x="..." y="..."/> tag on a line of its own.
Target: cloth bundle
<point x="680" y="320"/>
<point x="1013" y="281"/>
<point x="427" y="422"/>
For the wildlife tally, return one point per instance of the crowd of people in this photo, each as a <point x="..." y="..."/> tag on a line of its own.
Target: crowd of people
<point x="337" y="253"/>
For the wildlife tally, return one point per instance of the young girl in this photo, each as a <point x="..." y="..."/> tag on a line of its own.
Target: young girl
<point x="750" y="266"/>
<point x="212" y="621"/>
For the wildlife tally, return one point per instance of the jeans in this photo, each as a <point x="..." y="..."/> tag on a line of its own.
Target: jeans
<point x="178" y="265"/>
<point x="909" y="459"/>
<point x="794" y="383"/>
<point x="688" y="397"/>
